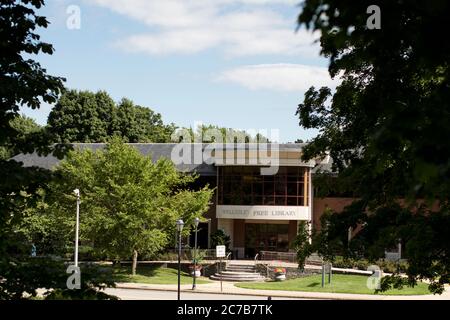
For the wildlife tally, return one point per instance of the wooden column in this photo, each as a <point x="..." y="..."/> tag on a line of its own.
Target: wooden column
<point x="305" y="187"/>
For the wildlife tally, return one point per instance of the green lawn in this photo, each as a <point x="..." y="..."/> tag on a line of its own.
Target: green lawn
<point x="340" y="284"/>
<point x="154" y="276"/>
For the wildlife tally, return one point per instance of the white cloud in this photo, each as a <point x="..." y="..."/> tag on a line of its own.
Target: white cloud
<point x="238" y="27"/>
<point x="279" y="77"/>
<point x="193" y="41"/>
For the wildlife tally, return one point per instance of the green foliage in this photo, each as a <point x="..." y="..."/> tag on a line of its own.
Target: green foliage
<point x="24" y="81"/>
<point x="213" y="133"/>
<point x="362" y="264"/>
<point x="154" y="275"/>
<point x="81" y="117"/>
<point x="220" y="238"/>
<point x="24" y="276"/>
<point x="139" y="124"/>
<point x="386" y="128"/>
<point x="46" y="232"/>
<point x="93" y="278"/>
<point x="128" y="202"/>
<point x="424" y="236"/>
<point x="302" y="244"/>
<point x="198" y="255"/>
<point x="84" y="116"/>
<point x="25" y="128"/>
<point x="342" y="283"/>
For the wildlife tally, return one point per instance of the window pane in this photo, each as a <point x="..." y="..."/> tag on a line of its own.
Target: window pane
<point x="300" y="201"/>
<point x="280" y="188"/>
<point x="257" y="189"/>
<point x="247" y="199"/>
<point x="258" y="200"/>
<point x="300" y="189"/>
<point x="292" y="189"/>
<point x="247" y="188"/>
<point x="268" y="200"/>
<point x="268" y="188"/>
<point x="291" y="201"/>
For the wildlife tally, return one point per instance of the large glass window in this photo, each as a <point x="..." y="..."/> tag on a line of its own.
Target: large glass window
<point x="244" y="185"/>
<point x="267" y="237"/>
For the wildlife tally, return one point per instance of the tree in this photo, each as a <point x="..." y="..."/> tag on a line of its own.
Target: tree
<point x="212" y="133"/>
<point x="140" y="124"/>
<point x="301" y="243"/>
<point x="81" y="117"/>
<point x="48" y="274"/>
<point x="86" y="117"/>
<point x="129" y="204"/>
<point x="220" y="238"/>
<point x="386" y="128"/>
<point x="24" y="127"/>
<point x="24" y="83"/>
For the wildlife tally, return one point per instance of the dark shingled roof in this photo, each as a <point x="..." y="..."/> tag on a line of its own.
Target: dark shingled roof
<point x="156" y="150"/>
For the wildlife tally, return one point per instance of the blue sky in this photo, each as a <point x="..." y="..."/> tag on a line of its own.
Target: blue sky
<point x="234" y="63"/>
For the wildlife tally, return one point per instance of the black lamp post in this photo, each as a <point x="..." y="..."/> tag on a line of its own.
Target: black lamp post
<point x="180" y="225"/>
<point x="196" y="222"/>
<point x="77" y="225"/>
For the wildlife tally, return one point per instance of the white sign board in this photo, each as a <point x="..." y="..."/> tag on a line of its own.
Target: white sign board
<point x="220" y="251"/>
<point x="263" y="212"/>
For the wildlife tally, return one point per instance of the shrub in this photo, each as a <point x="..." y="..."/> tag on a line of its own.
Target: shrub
<point x="301" y="243"/>
<point x="219" y="238"/>
<point x="362" y="264"/>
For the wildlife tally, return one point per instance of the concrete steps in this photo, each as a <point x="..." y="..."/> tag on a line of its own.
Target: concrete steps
<point x="238" y="273"/>
<point x="241" y="269"/>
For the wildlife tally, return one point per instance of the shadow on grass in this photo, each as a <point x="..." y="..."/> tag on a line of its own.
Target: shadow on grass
<point x="123" y="273"/>
<point x="152" y="275"/>
<point x="313" y="284"/>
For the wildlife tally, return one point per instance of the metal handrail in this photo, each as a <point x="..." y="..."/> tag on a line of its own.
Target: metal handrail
<point x="265" y="265"/>
<point x="267" y="270"/>
<point x="226" y="259"/>
<point x="256" y="257"/>
<point x="274" y="255"/>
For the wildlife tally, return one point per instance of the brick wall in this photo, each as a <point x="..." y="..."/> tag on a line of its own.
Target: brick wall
<point x="320" y="204"/>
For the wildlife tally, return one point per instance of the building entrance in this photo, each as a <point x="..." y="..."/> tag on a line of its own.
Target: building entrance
<point x="265" y="237"/>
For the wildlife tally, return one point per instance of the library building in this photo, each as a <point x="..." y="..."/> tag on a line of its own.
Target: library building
<point x="259" y="209"/>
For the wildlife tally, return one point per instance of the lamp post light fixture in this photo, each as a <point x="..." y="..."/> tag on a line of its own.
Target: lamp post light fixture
<point x="77" y="225"/>
<point x="180" y="225"/>
<point x="196" y="222"/>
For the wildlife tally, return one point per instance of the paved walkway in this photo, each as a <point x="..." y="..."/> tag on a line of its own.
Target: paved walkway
<point x="229" y="288"/>
<point x="139" y="294"/>
<point x="269" y="263"/>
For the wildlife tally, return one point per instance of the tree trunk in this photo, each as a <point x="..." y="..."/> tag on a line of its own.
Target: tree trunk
<point x="134" y="266"/>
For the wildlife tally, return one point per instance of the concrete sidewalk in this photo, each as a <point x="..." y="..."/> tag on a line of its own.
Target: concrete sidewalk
<point x="229" y="288"/>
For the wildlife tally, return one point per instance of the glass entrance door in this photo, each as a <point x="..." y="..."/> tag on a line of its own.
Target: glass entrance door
<point x="265" y="237"/>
